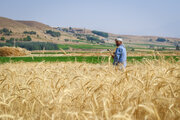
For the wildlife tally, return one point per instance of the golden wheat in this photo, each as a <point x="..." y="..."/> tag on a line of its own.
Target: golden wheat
<point x="53" y="91"/>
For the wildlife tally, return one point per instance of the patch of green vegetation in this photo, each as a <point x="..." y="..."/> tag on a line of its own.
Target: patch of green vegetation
<point x="53" y="33"/>
<point x="166" y="46"/>
<point x="61" y="52"/>
<point x="87" y="59"/>
<point x="103" y="34"/>
<point x="30" y="32"/>
<point x="5" y="31"/>
<point x="95" y="39"/>
<point x="3" y="38"/>
<point x="84" y="46"/>
<point x="31" y="45"/>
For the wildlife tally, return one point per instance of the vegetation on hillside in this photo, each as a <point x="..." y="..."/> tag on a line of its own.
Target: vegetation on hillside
<point x="53" y="33"/>
<point x="103" y="34"/>
<point x="161" y="40"/>
<point x="31" y="45"/>
<point x="38" y="45"/>
<point x="94" y="39"/>
<point x="5" y="31"/>
<point x="2" y="38"/>
<point x="30" y="32"/>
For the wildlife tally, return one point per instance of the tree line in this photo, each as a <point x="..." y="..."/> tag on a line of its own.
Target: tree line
<point x="103" y="34"/>
<point x="30" y="32"/>
<point x="27" y="38"/>
<point x="53" y="33"/>
<point x="32" y="45"/>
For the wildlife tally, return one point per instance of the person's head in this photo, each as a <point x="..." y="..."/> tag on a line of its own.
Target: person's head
<point x="118" y="41"/>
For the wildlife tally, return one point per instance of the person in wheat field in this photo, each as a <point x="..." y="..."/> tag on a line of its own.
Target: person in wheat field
<point x="120" y="55"/>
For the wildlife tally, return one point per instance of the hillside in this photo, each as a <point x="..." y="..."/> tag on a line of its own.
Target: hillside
<point x="78" y="35"/>
<point x="129" y="40"/>
<point x="18" y="27"/>
<point x="36" y="25"/>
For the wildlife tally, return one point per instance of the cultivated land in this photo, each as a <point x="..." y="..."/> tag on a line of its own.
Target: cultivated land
<point x="18" y="28"/>
<point x="149" y="89"/>
<point x="78" y="81"/>
<point x="85" y="59"/>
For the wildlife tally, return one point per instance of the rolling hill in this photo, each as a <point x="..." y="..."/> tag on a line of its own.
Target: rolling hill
<point x="18" y="27"/>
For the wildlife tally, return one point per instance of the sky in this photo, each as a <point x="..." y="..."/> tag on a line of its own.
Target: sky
<point x="125" y="17"/>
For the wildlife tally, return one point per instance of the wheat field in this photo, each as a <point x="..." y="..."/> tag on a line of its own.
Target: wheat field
<point x="149" y="90"/>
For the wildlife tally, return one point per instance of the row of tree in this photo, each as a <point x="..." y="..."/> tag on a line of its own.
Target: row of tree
<point x="103" y="34"/>
<point x="94" y="39"/>
<point x="30" y="32"/>
<point x="53" y="33"/>
<point x="162" y="40"/>
<point x="33" y="45"/>
<point x="28" y="38"/>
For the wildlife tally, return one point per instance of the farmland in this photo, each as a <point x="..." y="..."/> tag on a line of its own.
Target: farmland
<point x="87" y="59"/>
<point x="71" y="90"/>
<point x="64" y="84"/>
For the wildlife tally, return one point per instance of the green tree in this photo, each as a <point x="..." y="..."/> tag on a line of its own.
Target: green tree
<point x="66" y="40"/>
<point x="103" y="34"/>
<point x="94" y="39"/>
<point x="161" y="40"/>
<point x="30" y="32"/>
<point x="5" y="31"/>
<point x="28" y="38"/>
<point x="177" y="47"/>
<point x="65" y="29"/>
<point x="53" y="34"/>
<point x="3" y="38"/>
<point x="132" y="49"/>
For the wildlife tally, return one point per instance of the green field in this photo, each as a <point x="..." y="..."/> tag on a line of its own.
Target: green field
<point x="84" y="46"/>
<point x="147" y="45"/>
<point x="87" y="59"/>
<point x="110" y="46"/>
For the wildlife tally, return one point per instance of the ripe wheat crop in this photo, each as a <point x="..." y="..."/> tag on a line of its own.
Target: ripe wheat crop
<point x="58" y="91"/>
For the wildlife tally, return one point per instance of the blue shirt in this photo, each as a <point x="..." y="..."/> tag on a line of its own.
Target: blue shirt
<point x="120" y="55"/>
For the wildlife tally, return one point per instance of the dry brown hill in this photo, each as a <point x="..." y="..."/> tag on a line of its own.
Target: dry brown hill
<point x="13" y="25"/>
<point x="35" y="24"/>
<point x="18" y="27"/>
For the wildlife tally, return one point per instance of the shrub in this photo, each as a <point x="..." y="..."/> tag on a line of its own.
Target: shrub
<point x="30" y="32"/>
<point x="3" y="38"/>
<point x="28" y="38"/>
<point x="94" y="39"/>
<point x="103" y="34"/>
<point x="5" y="31"/>
<point x="161" y="40"/>
<point x="53" y="34"/>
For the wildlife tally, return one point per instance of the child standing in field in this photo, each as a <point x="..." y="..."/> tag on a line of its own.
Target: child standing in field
<point x="120" y="55"/>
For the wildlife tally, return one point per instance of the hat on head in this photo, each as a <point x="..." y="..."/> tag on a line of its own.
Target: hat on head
<point x="119" y="39"/>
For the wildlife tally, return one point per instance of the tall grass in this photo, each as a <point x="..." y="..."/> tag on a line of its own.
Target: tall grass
<point x="53" y="91"/>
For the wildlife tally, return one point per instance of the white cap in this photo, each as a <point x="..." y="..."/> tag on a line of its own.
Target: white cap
<point x="119" y="39"/>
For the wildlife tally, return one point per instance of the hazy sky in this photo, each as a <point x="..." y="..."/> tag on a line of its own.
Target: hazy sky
<point x="132" y="17"/>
